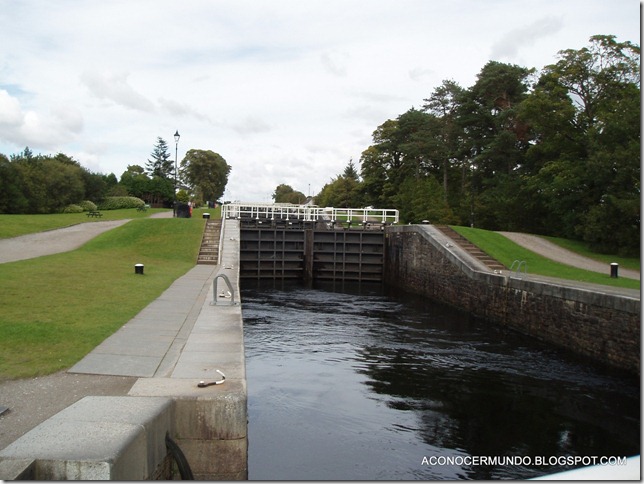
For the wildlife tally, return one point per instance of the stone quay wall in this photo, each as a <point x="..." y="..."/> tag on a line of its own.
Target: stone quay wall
<point x="591" y="320"/>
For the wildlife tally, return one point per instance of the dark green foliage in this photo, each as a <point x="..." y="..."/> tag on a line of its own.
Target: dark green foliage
<point x="73" y="208"/>
<point x="160" y="165"/>
<point x="286" y="194"/>
<point x="116" y="203"/>
<point x="45" y="184"/>
<point x="206" y="173"/>
<point x="342" y="191"/>
<point x="557" y="154"/>
<point x="155" y="190"/>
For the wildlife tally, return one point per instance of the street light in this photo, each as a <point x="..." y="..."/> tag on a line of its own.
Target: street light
<point x="176" y="148"/>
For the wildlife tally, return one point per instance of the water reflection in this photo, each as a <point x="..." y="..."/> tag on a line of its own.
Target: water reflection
<point x="362" y="385"/>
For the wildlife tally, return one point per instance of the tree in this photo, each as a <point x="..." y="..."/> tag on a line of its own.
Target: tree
<point x="12" y="198"/>
<point x="495" y="142"/>
<point x="160" y="165"/>
<point x="286" y="194"/>
<point x="444" y="104"/>
<point x="587" y="158"/>
<point x="350" y="171"/>
<point x="344" y="191"/>
<point x="205" y="172"/>
<point x="135" y="181"/>
<point x="422" y="199"/>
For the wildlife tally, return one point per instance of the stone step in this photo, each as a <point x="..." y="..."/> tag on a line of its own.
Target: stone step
<point x="209" y="250"/>
<point x="471" y="249"/>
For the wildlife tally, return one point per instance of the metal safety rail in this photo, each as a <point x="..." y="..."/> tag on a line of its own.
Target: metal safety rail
<point x="277" y="211"/>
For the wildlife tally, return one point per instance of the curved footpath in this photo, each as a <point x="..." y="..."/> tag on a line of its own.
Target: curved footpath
<point x="34" y="245"/>
<point x="544" y="247"/>
<point x="28" y="402"/>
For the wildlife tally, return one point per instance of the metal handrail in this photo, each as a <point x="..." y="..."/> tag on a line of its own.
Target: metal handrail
<point x="258" y="211"/>
<point x="519" y="264"/>
<point x="231" y="291"/>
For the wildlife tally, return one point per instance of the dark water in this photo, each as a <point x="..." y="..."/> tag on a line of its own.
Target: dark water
<point x="357" y="385"/>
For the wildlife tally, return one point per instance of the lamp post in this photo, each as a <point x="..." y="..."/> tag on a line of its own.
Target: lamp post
<point x="176" y="149"/>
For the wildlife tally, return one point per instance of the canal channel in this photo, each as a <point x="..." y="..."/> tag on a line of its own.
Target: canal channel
<point x="355" y="382"/>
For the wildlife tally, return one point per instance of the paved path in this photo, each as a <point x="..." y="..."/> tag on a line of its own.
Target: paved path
<point x="150" y="343"/>
<point x="55" y="241"/>
<point x="544" y="247"/>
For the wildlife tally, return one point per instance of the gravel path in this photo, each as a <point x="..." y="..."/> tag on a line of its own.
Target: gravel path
<point x="544" y="247"/>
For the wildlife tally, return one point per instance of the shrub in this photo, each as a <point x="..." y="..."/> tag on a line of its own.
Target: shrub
<point x="115" y="203"/>
<point x="88" y="206"/>
<point x="73" y="209"/>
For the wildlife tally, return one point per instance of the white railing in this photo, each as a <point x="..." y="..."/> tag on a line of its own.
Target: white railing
<point x="281" y="211"/>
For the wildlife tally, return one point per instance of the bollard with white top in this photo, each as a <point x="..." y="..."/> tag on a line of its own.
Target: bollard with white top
<point x="614" y="268"/>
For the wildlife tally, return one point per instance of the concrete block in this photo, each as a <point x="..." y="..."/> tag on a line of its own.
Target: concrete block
<point x="67" y="450"/>
<point x="116" y="438"/>
<point x="215" y="412"/>
<point x="154" y="414"/>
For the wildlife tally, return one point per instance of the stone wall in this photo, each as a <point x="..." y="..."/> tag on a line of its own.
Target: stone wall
<point x="591" y="320"/>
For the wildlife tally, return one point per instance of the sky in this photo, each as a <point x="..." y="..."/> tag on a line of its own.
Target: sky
<point x="286" y="91"/>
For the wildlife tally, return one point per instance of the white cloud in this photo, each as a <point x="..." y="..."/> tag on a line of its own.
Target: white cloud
<point x="335" y="63"/>
<point x="251" y="125"/>
<point x="30" y="128"/>
<point x="510" y="44"/>
<point x="10" y="112"/>
<point x="176" y="108"/>
<point x="115" y="87"/>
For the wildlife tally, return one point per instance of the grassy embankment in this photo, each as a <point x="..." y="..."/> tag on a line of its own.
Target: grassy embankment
<point x="506" y="252"/>
<point x="57" y="308"/>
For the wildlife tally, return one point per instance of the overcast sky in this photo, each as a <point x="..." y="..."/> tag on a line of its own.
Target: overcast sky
<point x="287" y="91"/>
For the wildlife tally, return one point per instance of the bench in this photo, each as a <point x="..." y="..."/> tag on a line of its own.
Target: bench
<point x="143" y="208"/>
<point x="94" y="213"/>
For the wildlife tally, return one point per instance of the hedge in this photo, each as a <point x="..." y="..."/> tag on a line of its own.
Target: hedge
<point x="115" y="203"/>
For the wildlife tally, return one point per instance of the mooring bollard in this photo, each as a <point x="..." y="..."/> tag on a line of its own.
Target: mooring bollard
<point x="614" y="268"/>
<point x="138" y="268"/>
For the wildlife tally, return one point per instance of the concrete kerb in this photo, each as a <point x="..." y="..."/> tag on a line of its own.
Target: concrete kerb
<point x="123" y="438"/>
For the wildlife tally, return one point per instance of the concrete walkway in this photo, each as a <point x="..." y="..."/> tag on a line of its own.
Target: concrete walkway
<point x="149" y="345"/>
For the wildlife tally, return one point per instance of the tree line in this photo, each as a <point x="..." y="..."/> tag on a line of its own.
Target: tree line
<point x="49" y="183"/>
<point x="555" y="152"/>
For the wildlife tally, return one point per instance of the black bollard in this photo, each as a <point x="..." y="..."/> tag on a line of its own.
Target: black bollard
<point x="206" y="215"/>
<point x="138" y="268"/>
<point x="614" y="268"/>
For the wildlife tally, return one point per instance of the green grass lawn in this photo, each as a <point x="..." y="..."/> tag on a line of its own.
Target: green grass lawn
<point x="506" y="252"/>
<point x="15" y="225"/>
<point x="55" y="309"/>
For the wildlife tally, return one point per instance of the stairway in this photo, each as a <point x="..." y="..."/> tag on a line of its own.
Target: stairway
<point x="209" y="251"/>
<point x="471" y="249"/>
